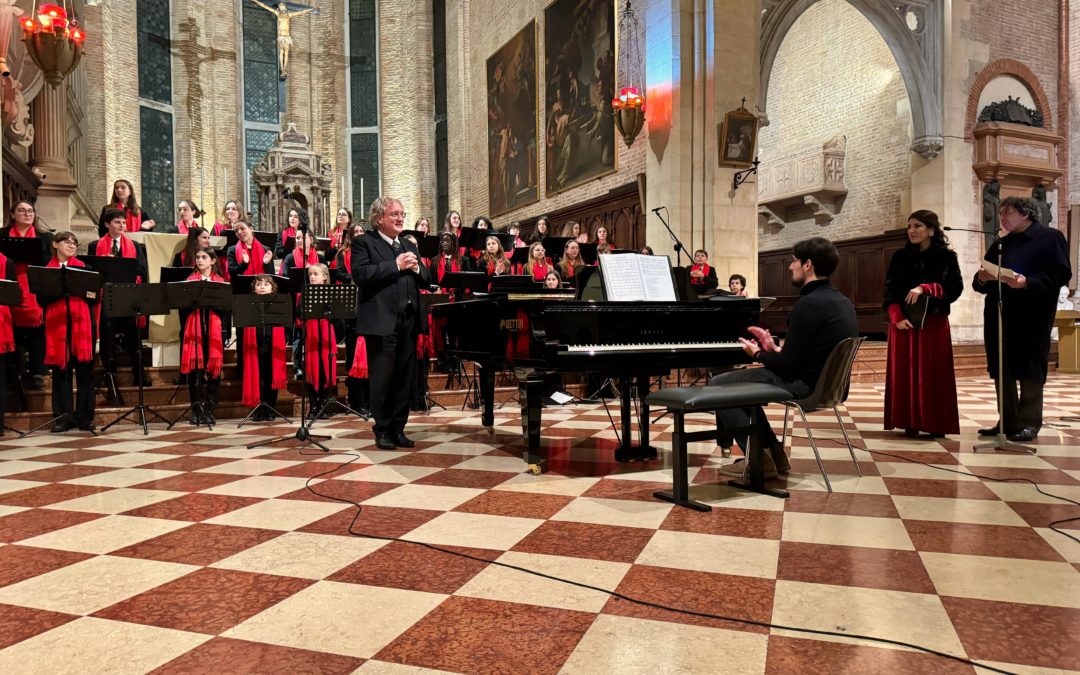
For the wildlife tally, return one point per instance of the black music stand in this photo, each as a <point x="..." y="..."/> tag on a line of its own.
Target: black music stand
<point x="10" y="296"/>
<point x="426" y="301"/>
<point x="124" y="300"/>
<point x="197" y="295"/>
<point x="64" y="282"/>
<point x="114" y="271"/>
<point x="471" y="238"/>
<point x="267" y="239"/>
<point x="261" y="312"/>
<point x="554" y="247"/>
<point x="588" y="253"/>
<point x="230" y="238"/>
<point x="521" y="256"/>
<point x="29" y="251"/>
<point x="465" y="281"/>
<point x="329" y="302"/>
<point x="428" y="246"/>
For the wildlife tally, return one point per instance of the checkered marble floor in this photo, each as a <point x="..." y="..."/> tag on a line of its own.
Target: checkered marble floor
<point x="185" y="552"/>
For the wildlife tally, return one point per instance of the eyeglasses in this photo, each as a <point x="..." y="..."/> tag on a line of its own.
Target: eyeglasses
<point x="67" y="241"/>
<point x="396" y="214"/>
<point x="24" y="210"/>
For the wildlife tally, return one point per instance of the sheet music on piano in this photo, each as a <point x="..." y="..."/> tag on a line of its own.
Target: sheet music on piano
<point x="631" y="277"/>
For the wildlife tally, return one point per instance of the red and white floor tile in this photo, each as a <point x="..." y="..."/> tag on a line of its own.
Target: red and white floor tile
<point x="185" y="552"/>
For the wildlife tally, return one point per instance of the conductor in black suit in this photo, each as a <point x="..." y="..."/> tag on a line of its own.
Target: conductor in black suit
<point x="388" y="274"/>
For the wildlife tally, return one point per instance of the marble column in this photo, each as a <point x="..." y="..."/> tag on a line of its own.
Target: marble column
<point x="50" y="156"/>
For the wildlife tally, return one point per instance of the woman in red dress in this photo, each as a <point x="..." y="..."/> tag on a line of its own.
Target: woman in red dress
<point x="920" y="385"/>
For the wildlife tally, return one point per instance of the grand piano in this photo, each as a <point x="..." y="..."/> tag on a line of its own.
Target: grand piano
<point x="537" y="332"/>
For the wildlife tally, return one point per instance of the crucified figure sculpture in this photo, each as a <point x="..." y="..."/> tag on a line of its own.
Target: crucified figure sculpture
<point x="284" y="38"/>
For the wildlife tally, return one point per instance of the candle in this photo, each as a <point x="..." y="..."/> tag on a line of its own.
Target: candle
<point x="202" y="191"/>
<point x="361" y="195"/>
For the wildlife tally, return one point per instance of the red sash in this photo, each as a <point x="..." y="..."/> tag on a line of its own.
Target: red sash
<point x="287" y="234"/>
<point x="57" y="315"/>
<point x="28" y="314"/>
<point x="359" y="367"/>
<point x="191" y="353"/>
<point x="7" y="332"/>
<point x="132" y="221"/>
<point x="320" y="358"/>
<point x="255" y="256"/>
<point x="540" y="271"/>
<point x="219" y="228"/>
<point x="441" y="269"/>
<point x="298" y="259"/>
<point x="704" y="269"/>
<point x="336" y="235"/>
<point x="252" y="376"/>
<point x="127" y="250"/>
<point x="183" y="229"/>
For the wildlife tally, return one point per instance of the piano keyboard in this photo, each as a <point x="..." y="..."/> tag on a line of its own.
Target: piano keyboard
<point x="655" y="347"/>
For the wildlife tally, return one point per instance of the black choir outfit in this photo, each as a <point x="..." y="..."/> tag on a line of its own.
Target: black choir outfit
<point x="121" y="331"/>
<point x="1041" y="254"/>
<point x="920" y="384"/>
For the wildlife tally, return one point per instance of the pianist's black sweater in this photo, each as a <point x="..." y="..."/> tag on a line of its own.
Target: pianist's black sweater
<point x="821" y="318"/>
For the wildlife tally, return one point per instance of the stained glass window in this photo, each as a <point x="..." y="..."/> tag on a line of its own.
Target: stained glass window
<point x="363" y="64"/>
<point x="365" y="165"/>
<point x="256" y="143"/>
<point x="155" y="64"/>
<point x="156" y="135"/>
<point x="262" y="101"/>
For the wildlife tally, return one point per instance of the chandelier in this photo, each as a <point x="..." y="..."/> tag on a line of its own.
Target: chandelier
<point x="629" y="106"/>
<point x="54" y="39"/>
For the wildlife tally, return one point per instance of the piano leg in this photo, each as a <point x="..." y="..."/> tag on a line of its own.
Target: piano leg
<point x="647" y="450"/>
<point x="487" y="397"/>
<point x="531" y="395"/>
<point x="627" y="451"/>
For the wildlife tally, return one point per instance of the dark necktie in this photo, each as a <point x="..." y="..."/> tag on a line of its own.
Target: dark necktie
<point x="396" y="245"/>
<point x="116" y="248"/>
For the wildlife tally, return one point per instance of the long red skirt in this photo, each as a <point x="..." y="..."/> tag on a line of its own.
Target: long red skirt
<point x="920" y="385"/>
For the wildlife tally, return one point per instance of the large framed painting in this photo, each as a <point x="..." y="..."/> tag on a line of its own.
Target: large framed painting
<point x="579" y="70"/>
<point x="512" y="138"/>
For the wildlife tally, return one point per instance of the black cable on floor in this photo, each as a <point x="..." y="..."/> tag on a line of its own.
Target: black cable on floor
<point x="616" y="594"/>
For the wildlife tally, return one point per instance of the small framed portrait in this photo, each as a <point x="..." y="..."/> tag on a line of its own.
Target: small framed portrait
<point x="738" y="138"/>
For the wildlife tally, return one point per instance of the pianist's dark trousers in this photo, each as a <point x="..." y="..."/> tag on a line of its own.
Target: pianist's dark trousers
<point x="740" y="417"/>
<point x="392" y="373"/>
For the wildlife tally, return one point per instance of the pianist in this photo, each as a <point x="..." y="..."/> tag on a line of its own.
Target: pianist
<point x="820" y="320"/>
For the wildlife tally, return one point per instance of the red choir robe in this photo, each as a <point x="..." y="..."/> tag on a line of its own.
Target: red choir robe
<point x="192" y="354"/>
<point x="58" y="316"/>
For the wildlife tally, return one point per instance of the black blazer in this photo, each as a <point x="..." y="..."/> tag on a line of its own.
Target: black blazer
<point x="140" y="256"/>
<point x="375" y="273"/>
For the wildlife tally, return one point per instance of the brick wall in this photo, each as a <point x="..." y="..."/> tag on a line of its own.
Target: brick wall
<point x="476" y="29"/>
<point x="835" y="74"/>
<point x="1074" y="103"/>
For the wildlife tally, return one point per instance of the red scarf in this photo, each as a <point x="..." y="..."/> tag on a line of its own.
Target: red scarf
<point x="336" y="235"/>
<point x="255" y="256"/>
<point x="28" y="314"/>
<point x="7" y="333"/>
<point x="704" y="269"/>
<point x="359" y="367"/>
<point x="441" y="270"/>
<point x="540" y="271"/>
<point x="191" y="353"/>
<point x="287" y="234"/>
<point x="132" y="221"/>
<point x="104" y="247"/>
<point x="57" y="315"/>
<point x="219" y="228"/>
<point x="298" y="258"/>
<point x="346" y="260"/>
<point x="182" y="227"/>
<point x="568" y="267"/>
<point x="251" y="396"/>
<point x="320" y="358"/>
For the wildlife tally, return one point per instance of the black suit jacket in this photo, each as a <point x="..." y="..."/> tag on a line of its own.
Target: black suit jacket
<point x="375" y="273"/>
<point x="140" y="256"/>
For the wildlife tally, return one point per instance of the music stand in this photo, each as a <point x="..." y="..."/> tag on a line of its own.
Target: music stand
<point x="261" y="312"/>
<point x="429" y="247"/>
<point x="588" y="253"/>
<point x="10" y="296"/>
<point x="63" y="282"/>
<point x="426" y="301"/>
<point x="471" y="238"/>
<point x="27" y="251"/>
<point x="114" y="271"/>
<point x="123" y="300"/>
<point x="230" y="238"/>
<point x="328" y="302"/>
<point x="554" y="247"/>
<point x="197" y="295"/>
<point x="465" y="281"/>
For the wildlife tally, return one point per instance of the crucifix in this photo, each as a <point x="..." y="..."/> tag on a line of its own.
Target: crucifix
<point x="284" y="37"/>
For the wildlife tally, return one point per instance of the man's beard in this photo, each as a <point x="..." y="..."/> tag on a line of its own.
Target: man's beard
<point x="798" y="283"/>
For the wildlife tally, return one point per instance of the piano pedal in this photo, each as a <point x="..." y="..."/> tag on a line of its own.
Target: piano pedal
<point x="535" y="470"/>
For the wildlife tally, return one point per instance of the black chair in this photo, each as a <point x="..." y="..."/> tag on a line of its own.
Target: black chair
<point x="831" y="391"/>
<point x="681" y="401"/>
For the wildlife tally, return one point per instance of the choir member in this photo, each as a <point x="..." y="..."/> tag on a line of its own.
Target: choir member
<point x="287" y="234"/>
<point x="342" y="224"/>
<point x="481" y="223"/>
<point x="188" y="212"/>
<point x="514" y="228"/>
<point x="202" y="353"/>
<point x="197" y="239"/>
<point x="264" y="358"/>
<point x="540" y="230"/>
<point x="736" y="283"/>
<point x="425" y="348"/>
<point x="123" y="198"/>
<point x="552" y="280"/>
<point x="573" y="231"/>
<point x="646" y="250"/>
<point x="7" y="336"/>
<point x="304" y="254"/>
<point x="28" y="319"/>
<point x="538" y="265"/>
<point x="920" y="386"/>
<point x="248" y="255"/>
<point x="571" y="261"/>
<point x="493" y="259"/>
<point x="422" y="226"/>
<point x="318" y="346"/>
<point x="702" y="276"/>
<point x="452" y="223"/>
<point x="602" y="235"/>
<point x="447" y="260"/>
<point x="230" y="216"/>
<point x="603" y="248"/>
<point x="116" y="244"/>
<point x="356" y="382"/>
<point x="69" y="345"/>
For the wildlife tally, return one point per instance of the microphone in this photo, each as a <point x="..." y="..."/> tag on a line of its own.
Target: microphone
<point x="658" y="209"/>
<point x="961" y="229"/>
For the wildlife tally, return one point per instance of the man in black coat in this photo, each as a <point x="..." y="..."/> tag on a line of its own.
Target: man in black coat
<point x="1040" y="257"/>
<point x="387" y="272"/>
<point x="820" y="320"/>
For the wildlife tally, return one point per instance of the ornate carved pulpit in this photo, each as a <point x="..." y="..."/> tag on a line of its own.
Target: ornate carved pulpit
<point x="292" y="167"/>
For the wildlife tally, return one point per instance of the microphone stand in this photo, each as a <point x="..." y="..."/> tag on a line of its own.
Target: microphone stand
<point x="1001" y="441"/>
<point x="679" y="248"/>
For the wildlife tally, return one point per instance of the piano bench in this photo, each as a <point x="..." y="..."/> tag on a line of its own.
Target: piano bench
<point x="680" y="401"/>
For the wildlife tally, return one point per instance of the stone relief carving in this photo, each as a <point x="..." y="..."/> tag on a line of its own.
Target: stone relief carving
<point x="812" y="178"/>
<point x="928" y="147"/>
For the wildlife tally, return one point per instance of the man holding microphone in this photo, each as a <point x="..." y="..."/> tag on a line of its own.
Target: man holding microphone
<point x="387" y="272"/>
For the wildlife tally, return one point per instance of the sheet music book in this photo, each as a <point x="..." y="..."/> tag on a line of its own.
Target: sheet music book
<point x="916" y="313"/>
<point x="633" y="277"/>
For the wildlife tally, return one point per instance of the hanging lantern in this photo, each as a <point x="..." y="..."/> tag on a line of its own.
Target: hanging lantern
<point x="629" y="106"/>
<point x="54" y="40"/>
